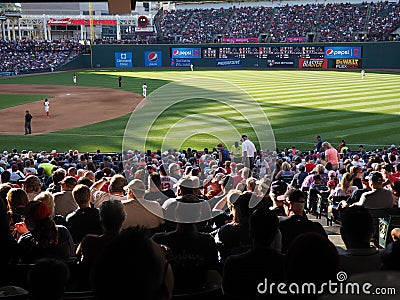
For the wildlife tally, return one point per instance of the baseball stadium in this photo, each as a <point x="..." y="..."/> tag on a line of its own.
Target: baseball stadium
<point x="288" y="99"/>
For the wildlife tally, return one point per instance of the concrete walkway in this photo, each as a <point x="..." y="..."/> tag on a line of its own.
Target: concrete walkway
<point x="332" y="231"/>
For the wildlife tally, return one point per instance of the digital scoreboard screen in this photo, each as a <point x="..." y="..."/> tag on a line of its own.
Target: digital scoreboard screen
<point x="263" y="52"/>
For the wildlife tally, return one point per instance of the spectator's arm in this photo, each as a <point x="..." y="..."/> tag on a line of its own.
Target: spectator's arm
<point x="98" y="184"/>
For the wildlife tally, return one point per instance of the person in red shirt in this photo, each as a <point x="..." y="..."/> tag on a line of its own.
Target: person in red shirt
<point x="309" y="164"/>
<point x="214" y="187"/>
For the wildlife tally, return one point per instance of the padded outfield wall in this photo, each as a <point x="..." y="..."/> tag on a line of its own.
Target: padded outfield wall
<point x="379" y="55"/>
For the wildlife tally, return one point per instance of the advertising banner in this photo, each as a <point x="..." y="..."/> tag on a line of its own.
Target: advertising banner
<point x="69" y="21"/>
<point x="152" y="59"/>
<point x="239" y="40"/>
<point x="180" y="62"/>
<point x="296" y="39"/>
<point x="342" y="52"/>
<point x="280" y="63"/>
<point x="228" y="63"/>
<point x="59" y="22"/>
<point x="313" y="63"/>
<point x="123" y="59"/>
<point x="95" y="22"/>
<point x="347" y="63"/>
<point x="186" y="53"/>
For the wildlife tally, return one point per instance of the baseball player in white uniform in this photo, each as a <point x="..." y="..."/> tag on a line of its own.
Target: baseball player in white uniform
<point x="47" y="107"/>
<point x="74" y="79"/>
<point x="144" y="89"/>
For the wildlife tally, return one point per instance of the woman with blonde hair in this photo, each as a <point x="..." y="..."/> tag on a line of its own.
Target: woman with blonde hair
<point x="331" y="155"/>
<point x="342" y="192"/>
<point x="47" y="198"/>
<point x="286" y="174"/>
<point x="346" y="187"/>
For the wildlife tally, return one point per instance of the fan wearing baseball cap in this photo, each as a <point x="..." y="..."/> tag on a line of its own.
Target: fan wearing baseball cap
<point x="64" y="201"/>
<point x="378" y="197"/>
<point x="141" y="212"/>
<point x="296" y="222"/>
<point x="277" y="193"/>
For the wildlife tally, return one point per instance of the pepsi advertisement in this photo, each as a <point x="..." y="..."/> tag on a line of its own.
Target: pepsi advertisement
<point x="123" y="59"/>
<point x="152" y="59"/>
<point x="342" y="52"/>
<point x="186" y="53"/>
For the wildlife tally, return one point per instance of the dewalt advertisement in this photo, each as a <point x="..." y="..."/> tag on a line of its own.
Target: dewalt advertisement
<point x="347" y="63"/>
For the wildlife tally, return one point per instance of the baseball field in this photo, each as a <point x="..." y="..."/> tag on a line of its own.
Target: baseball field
<point x="198" y="109"/>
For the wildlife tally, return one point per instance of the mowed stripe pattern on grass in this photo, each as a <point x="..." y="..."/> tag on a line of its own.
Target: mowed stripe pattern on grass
<point x="298" y="105"/>
<point x="301" y="104"/>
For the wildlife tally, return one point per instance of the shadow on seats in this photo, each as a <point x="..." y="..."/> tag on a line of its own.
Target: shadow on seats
<point x="84" y="295"/>
<point x="211" y="292"/>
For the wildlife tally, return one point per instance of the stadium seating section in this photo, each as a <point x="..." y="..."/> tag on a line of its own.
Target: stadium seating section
<point x="339" y="22"/>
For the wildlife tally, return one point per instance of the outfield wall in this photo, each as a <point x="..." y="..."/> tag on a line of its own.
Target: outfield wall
<point x="379" y="55"/>
<point x="79" y="62"/>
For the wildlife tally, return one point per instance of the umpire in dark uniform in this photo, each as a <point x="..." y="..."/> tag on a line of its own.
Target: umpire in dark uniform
<point x="28" y="119"/>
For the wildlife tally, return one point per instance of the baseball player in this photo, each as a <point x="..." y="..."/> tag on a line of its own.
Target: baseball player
<point x="74" y="79"/>
<point x="47" y="107"/>
<point x="144" y="89"/>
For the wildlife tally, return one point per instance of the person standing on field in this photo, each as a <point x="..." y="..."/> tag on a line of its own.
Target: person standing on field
<point x="144" y="89"/>
<point x="74" y="79"/>
<point x="362" y="74"/>
<point x="28" y="119"/>
<point x="47" y="107"/>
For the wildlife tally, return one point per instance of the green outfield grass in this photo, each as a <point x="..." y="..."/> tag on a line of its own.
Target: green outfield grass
<point x="9" y="100"/>
<point x="298" y="105"/>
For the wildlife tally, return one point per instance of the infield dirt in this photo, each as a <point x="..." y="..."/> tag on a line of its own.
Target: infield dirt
<point x="70" y="106"/>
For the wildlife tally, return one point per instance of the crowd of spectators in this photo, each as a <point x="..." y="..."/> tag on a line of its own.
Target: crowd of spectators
<point x="331" y="22"/>
<point x="384" y="18"/>
<point x="205" y="24"/>
<point x="184" y="220"/>
<point x="27" y="56"/>
<point x="341" y="22"/>
<point x="293" y="21"/>
<point x="172" y="23"/>
<point x="248" y="23"/>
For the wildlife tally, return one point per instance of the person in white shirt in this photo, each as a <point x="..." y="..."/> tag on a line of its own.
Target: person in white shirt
<point x="249" y="152"/>
<point x="356" y="161"/>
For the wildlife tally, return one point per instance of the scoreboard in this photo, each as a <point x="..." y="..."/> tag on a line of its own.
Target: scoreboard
<point x="263" y="52"/>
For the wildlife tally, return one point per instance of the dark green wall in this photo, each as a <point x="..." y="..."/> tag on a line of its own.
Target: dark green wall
<point x="379" y="55"/>
<point x="80" y="62"/>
